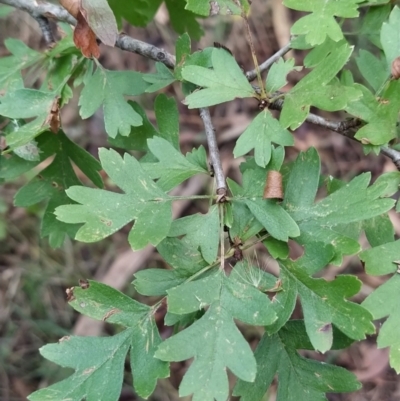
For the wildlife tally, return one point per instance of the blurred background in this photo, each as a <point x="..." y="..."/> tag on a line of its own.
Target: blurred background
<point x="34" y="277"/>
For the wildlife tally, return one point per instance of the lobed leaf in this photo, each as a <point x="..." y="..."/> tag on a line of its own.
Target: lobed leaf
<point x="321" y="22"/>
<point x="298" y="377"/>
<point x="223" y="83"/>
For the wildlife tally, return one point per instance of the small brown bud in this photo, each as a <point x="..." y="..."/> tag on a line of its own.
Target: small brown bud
<point x="273" y="187"/>
<point x="396" y="68"/>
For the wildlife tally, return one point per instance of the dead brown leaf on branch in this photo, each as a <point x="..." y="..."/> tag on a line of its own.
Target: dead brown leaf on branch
<point x="92" y="21"/>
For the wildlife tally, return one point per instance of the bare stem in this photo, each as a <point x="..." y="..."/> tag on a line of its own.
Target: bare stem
<point x="346" y="128"/>
<point x="251" y="75"/>
<point x="46" y="30"/>
<point x="52" y="11"/>
<point x="214" y="153"/>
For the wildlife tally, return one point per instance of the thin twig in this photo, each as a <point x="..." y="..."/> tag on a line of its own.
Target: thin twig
<point x="214" y="154"/>
<point x="251" y="75"/>
<point x="46" y="30"/>
<point x="347" y="128"/>
<point x="124" y="42"/>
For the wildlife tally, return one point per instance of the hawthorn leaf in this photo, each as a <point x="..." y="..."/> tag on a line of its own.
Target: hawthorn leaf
<point x="182" y="255"/>
<point x="223" y="83"/>
<point x="200" y="58"/>
<point x="324" y="303"/>
<point x="277" y="249"/>
<point x="373" y="69"/>
<point x="167" y="118"/>
<point x="319" y="52"/>
<point x="298" y="377"/>
<point x="156" y="282"/>
<point x="319" y="89"/>
<point x="21" y="57"/>
<point x="104" y="212"/>
<point x="321" y="22"/>
<point x="140" y="15"/>
<point x="201" y="230"/>
<point x="211" y="338"/>
<point x="50" y="183"/>
<point x="162" y="78"/>
<point x="276" y="78"/>
<point x="379" y="230"/>
<point x="385" y="302"/>
<point x="173" y="168"/>
<point x="182" y="19"/>
<point x="213" y="7"/>
<point x="108" y="88"/>
<point x="380" y="114"/>
<point x="95" y="359"/>
<point x="336" y="219"/>
<point x="98" y="364"/>
<point x="274" y="218"/>
<point x="372" y="22"/>
<point x="382" y="259"/>
<point x="259" y="135"/>
<point x="27" y="103"/>
<point x="101" y="19"/>
<point x="390" y="37"/>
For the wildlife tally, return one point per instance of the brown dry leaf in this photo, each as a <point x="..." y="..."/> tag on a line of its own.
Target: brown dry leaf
<point x="72" y="6"/>
<point x="273" y="187"/>
<point x="85" y="38"/>
<point x="53" y="118"/>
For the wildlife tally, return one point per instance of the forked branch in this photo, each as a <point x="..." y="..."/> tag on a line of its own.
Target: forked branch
<point x="124" y="42"/>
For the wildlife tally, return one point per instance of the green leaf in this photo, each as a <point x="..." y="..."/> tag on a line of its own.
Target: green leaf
<point x="335" y="219"/>
<point x="183" y="20"/>
<point x="105" y="212"/>
<point x="173" y="168"/>
<point x="372" y="69"/>
<point x="99" y="362"/>
<point x="321" y="22"/>
<point x="202" y="230"/>
<point x="379" y="230"/>
<point x="320" y="52"/>
<point x="380" y="114"/>
<point x="324" y="304"/>
<point x="276" y="78"/>
<point x="210" y="7"/>
<point x="382" y="259"/>
<point x="372" y="23"/>
<point x="27" y="103"/>
<point x="156" y="282"/>
<point x="167" y="118"/>
<point x="390" y="37"/>
<point x="161" y="79"/>
<point x="182" y="255"/>
<point x="385" y="301"/>
<point x="277" y="249"/>
<point x="223" y="83"/>
<point x="140" y="15"/>
<point x="259" y="135"/>
<point x="298" y="378"/>
<point x="317" y="89"/>
<point x="108" y="88"/>
<point x="214" y="340"/>
<point x="101" y="19"/>
<point x="22" y="58"/>
<point x="50" y="183"/>
<point x="274" y="218"/>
